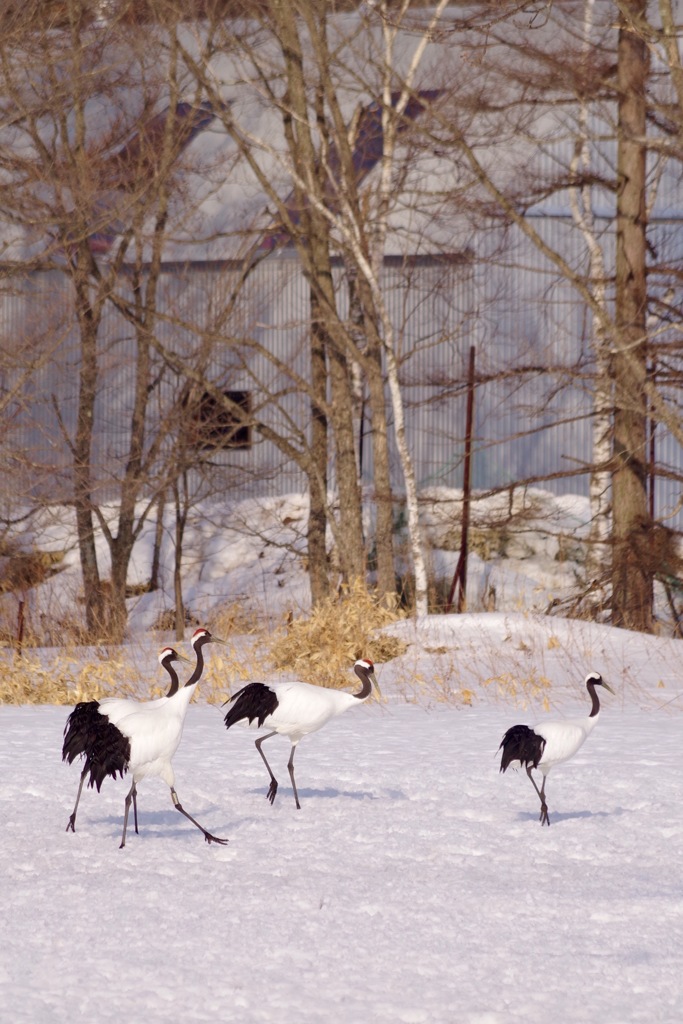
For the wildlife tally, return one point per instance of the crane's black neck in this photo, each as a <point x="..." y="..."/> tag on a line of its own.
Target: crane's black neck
<point x="173" y="688"/>
<point x="594" y="697"/>
<point x="167" y="663"/>
<point x="199" y="667"/>
<point x="364" y="677"/>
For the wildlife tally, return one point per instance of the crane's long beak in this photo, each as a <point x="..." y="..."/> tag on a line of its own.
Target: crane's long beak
<point x="373" y="680"/>
<point x="181" y="657"/>
<point x="608" y="687"/>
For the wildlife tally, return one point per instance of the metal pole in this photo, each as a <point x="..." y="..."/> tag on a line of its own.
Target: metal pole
<point x="460" y="575"/>
<point x="652" y="423"/>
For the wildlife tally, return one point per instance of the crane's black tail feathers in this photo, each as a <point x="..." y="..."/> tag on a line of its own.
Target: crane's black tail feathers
<point x="91" y="735"/>
<point x="520" y="743"/>
<point x="253" y="701"/>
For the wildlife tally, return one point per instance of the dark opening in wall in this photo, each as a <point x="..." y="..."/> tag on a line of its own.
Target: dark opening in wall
<point x="217" y="425"/>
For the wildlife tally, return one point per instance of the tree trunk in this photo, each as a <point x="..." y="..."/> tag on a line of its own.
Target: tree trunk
<point x="181" y="510"/>
<point x="581" y="201"/>
<point x="384" y="504"/>
<point x="384" y="518"/>
<point x="327" y="351"/>
<point x="317" y="480"/>
<point x="410" y="481"/>
<point x="349" y="528"/>
<point x="121" y="546"/>
<point x="154" y="574"/>
<point x="82" y="466"/>
<point x="632" y="569"/>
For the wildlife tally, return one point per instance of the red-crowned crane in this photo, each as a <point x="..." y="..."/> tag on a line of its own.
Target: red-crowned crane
<point x="116" y="735"/>
<point x="87" y="733"/>
<point x="549" y="743"/>
<point x="294" y="710"/>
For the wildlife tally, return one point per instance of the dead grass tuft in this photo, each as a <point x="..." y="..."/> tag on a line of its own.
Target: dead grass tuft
<point x="233" y="619"/>
<point x="321" y="648"/>
<point x="521" y="690"/>
<point x="229" y="668"/>
<point x="68" y="679"/>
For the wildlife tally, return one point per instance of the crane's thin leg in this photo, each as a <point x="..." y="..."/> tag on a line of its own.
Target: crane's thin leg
<point x="72" y="820"/>
<point x="290" y="765"/>
<point x="130" y="796"/>
<point x="207" y="835"/>
<point x="272" y="790"/>
<point x="135" y="809"/>
<point x="544" y="819"/>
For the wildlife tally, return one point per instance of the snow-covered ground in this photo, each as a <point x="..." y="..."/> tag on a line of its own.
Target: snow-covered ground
<point x="526" y="553"/>
<point x="414" y="885"/>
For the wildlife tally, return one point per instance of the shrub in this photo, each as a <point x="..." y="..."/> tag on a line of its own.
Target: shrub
<point x="321" y="648"/>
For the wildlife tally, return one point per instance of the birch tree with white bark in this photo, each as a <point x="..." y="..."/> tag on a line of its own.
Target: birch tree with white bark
<point x="306" y="65"/>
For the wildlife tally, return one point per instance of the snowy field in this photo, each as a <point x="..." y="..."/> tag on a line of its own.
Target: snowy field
<point x="415" y="884"/>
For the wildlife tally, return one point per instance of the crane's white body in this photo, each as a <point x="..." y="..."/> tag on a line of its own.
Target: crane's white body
<point x="154" y="729"/>
<point x="119" y="734"/>
<point x="118" y="708"/>
<point x="303" y="709"/>
<point x="563" y="739"/>
<point x="294" y="710"/>
<point x="546" y="744"/>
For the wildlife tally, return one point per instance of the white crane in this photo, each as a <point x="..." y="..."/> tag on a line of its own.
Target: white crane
<point x="546" y="744"/>
<point x="86" y="733"/>
<point x="294" y="710"/>
<point x="116" y="735"/>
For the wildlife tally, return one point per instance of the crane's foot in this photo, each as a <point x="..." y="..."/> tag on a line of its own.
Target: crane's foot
<point x="207" y="835"/>
<point x="71" y="824"/>
<point x="214" y="839"/>
<point x="544" y="819"/>
<point x="272" y="790"/>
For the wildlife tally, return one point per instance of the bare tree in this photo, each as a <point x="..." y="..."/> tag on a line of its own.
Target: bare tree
<point x="581" y="199"/>
<point x="339" y="123"/>
<point x="89" y="156"/>
<point x="632" y="583"/>
<point x="301" y="221"/>
<point x="305" y="71"/>
<point x="578" y="85"/>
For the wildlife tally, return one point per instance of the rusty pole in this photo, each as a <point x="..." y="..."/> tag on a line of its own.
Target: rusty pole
<point x="460" y="575"/>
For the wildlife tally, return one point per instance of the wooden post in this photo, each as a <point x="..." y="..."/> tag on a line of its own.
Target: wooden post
<point x="653" y="449"/>
<point x="20" y="626"/>
<point x="460" y="575"/>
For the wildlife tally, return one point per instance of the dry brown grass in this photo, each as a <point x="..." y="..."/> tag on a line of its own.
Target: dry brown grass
<point x="230" y="667"/>
<point x="233" y="619"/>
<point x="321" y="648"/>
<point x="69" y="679"/>
<point x="512" y="688"/>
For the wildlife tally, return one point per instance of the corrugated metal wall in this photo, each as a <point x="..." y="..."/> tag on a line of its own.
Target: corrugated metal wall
<point x="533" y="399"/>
